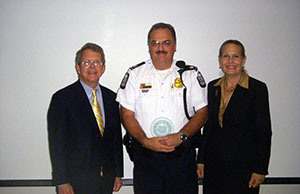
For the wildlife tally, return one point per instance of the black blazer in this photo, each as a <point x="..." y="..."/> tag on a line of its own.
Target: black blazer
<point x="77" y="150"/>
<point x="245" y="139"/>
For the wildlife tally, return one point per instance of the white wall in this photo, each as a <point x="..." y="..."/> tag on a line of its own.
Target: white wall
<point x="39" y="39"/>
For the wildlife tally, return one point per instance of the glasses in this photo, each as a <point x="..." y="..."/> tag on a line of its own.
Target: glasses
<point x="156" y="43"/>
<point x="88" y="63"/>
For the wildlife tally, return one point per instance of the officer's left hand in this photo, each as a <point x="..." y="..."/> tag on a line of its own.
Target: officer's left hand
<point x="156" y="144"/>
<point x="173" y="140"/>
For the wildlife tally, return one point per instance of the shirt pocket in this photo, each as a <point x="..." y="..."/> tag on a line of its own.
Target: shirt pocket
<point x="176" y="101"/>
<point x="147" y="101"/>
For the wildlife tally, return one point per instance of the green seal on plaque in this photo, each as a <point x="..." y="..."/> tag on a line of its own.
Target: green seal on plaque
<point x="161" y="126"/>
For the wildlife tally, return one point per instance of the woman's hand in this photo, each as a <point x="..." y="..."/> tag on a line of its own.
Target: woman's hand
<point x="256" y="180"/>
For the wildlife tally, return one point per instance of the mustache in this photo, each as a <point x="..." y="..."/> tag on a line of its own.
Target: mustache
<point x="163" y="52"/>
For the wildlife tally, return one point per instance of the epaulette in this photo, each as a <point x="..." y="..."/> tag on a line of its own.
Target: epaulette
<point x="135" y="66"/>
<point x="195" y="68"/>
<point x="126" y="76"/>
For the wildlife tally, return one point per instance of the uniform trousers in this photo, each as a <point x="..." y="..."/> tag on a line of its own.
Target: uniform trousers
<point x="165" y="173"/>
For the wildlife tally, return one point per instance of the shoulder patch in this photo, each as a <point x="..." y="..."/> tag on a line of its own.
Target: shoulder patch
<point x="201" y="80"/>
<point x="124" y="81"/>
<point x="133" y="67"/>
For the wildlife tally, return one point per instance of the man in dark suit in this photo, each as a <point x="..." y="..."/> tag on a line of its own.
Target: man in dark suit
<point x="85" y="148"/>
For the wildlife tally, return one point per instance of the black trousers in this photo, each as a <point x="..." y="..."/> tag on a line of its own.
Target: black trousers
<point x="99" y="185"/>
<point x="219" y="179"/>
<point x="165" y="173"/>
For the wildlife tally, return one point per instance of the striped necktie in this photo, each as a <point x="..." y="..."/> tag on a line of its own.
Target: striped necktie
<point x="97" y="112"/>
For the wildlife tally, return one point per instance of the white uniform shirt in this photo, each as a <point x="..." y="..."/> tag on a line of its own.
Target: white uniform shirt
<point x="153" y="99"/>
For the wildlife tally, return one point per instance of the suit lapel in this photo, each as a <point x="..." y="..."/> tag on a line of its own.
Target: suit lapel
<point x="106" y="108"/>
<point x="84" y="103"/>
<point x="236" y="99"/>
<point x="216" y="95"/>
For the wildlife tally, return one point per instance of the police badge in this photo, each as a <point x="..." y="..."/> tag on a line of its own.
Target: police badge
<point x="178" y="83"/>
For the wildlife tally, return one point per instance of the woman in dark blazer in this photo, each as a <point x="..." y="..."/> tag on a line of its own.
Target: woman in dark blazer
<point x="236" y="151"/>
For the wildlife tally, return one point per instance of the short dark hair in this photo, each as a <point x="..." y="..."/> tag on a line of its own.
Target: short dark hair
<point x="235" y="42"/>
<point x="92" y="46"/>
<point x="162" y="25"/>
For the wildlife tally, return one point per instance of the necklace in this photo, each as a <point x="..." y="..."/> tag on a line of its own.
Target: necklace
<point x="230" y="86"/>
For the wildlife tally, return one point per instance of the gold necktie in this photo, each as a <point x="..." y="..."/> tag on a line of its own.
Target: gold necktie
<point x="97" y="112"/>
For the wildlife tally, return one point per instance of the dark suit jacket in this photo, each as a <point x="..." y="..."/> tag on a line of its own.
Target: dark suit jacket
<point x="245" y="139"/>
<point x="77" y="150"/>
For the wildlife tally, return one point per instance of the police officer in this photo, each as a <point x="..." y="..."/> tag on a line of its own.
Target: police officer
<point x="152" y="110"/>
